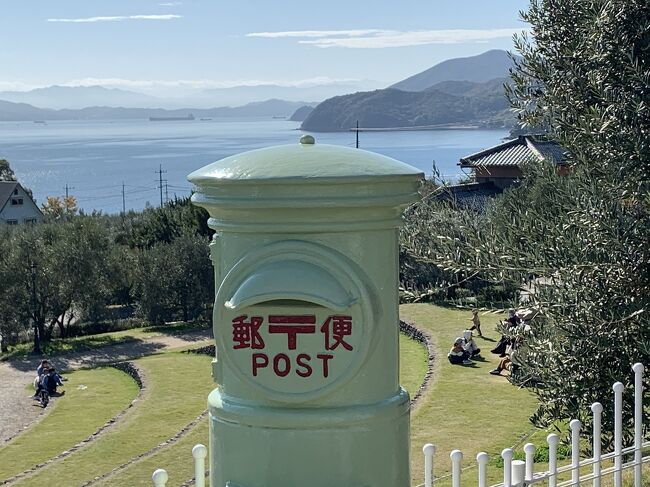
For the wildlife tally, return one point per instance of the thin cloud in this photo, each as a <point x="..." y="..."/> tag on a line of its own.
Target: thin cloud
<point x="316" y="33"/>
<point x="378" y="38"/>
<point x="170" y="4"/>
<point x="206" y="83"/>
<point x="117" y="18"/>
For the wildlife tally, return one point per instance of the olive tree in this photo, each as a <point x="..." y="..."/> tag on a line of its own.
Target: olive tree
<point x="581" y="75"/>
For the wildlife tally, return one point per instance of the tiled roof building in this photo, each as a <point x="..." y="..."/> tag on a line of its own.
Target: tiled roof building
<point x="501" y="164"/>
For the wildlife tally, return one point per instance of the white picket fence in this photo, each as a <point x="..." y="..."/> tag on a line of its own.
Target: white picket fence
<point x="519" y="473"/>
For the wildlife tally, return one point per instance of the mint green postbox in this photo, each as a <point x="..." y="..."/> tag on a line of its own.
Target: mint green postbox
<point x="306" y="317"/>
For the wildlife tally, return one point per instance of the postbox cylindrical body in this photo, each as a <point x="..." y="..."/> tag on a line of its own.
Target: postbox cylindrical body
<point x="306" y="317"/>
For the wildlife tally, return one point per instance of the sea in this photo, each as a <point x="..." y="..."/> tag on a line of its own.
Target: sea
<point x="98" y="160"/>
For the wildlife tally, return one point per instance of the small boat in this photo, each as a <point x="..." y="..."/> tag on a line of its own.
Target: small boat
<point x="41" y="122"/>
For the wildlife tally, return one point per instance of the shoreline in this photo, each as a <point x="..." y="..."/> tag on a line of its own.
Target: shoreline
<point x="418" y="128"/>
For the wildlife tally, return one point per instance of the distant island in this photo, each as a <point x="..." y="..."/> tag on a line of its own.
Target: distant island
<point x="464" y="92"/>
<point x="10" y="111"/>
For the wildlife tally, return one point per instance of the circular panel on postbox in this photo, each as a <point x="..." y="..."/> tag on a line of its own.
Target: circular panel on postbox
<point x="292" y="327"/>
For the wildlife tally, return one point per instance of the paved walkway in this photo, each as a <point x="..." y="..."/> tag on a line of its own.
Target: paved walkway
<point x="18" y="411"/>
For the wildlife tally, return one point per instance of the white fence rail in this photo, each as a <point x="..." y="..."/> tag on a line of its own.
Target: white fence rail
<point x="518" y="473"/>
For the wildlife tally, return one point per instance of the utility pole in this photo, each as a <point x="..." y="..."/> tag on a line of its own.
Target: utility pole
<point x="166" y="193"/>
<point x="123" y="200"/>
<point x="160" y="183"/>
<point x="37" y="340"/>
<point x="357" y="134"/>
<point x="67" y="188"/>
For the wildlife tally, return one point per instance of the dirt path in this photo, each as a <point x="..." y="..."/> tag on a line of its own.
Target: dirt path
<point x="18" y="411"/>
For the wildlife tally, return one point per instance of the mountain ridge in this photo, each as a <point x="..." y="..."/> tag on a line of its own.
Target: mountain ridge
<point x="443" y="103"/>
<point x="10" y="111"/>
<point x="480" y="68"/>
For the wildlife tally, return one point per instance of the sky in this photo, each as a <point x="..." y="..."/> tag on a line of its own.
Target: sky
<point x="148" y="44"/>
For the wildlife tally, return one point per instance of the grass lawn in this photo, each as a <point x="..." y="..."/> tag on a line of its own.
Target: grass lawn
<point x="465" y="408"/>
<point x="177" y="459"/>
<point x="73" y="418"/>
<point x="177" y="392"/>
<point x="412" y="364"/>
<point x="90" y="342"/>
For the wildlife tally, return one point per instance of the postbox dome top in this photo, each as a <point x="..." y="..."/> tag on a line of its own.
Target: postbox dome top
<point x="303" y="161"/>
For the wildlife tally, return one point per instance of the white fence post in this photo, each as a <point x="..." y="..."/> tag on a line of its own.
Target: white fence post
<point x="597" y="409"/>
<point x="506" y="454"/>
<point x="638" y="421"/>
<point x="518" y="473"/>
<point x="456" y="457"/>
<point x="618" y="432"/>
<point x="482" y="460"/>
<point x="159" y="478"/>
<point x="575" y="452"/>
<point x="529" y="450"/>
<point x="552" y="441"/>
<point x="429" y="450"/>
<point x="199" y="452"/>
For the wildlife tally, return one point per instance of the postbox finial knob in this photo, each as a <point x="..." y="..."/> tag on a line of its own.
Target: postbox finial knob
<point x="307" y="140"/>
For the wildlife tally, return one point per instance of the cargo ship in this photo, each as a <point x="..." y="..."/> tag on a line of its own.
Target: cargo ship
<point x="171" y="119"/>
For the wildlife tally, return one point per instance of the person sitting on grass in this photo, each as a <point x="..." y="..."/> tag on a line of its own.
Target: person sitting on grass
<point x="45" y="364"/>
<point x="508" y="325"/>
<point x="458" y="355"/>
<point x="509" y="361"/>
<point x="513" y="320"/>
<point x="469" y="344"/>
<point x="52" y="380"/>
<point x="504" y="364"/>
<point x="40" y="382"/>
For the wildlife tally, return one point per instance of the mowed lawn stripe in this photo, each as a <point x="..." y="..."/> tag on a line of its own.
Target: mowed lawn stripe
<point x="92" y="397"/>
<point x="177" y="388"/>
<point x="177" y="458"/>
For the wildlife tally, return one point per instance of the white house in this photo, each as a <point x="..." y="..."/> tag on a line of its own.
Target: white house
<point x="16" y="205"/>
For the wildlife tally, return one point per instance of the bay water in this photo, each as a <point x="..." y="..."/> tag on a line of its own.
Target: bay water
<point x="94" y="158"/>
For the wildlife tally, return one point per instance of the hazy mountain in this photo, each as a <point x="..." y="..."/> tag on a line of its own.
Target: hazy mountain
<point x="484" y="67"/>
<point x="456" y="103"/>
<point x="76" y="97"/>
<point x="10" y="111"/>
<point x="239" y="95"/>
<point x="270" y="108"/>
<point x="302" y="113"/>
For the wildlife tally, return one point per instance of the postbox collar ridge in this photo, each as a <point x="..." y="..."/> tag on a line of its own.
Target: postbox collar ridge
<point x="326" y="417"/>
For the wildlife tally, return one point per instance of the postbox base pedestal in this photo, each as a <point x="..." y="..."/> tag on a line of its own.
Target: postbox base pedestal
<point x="355" y="446"/>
